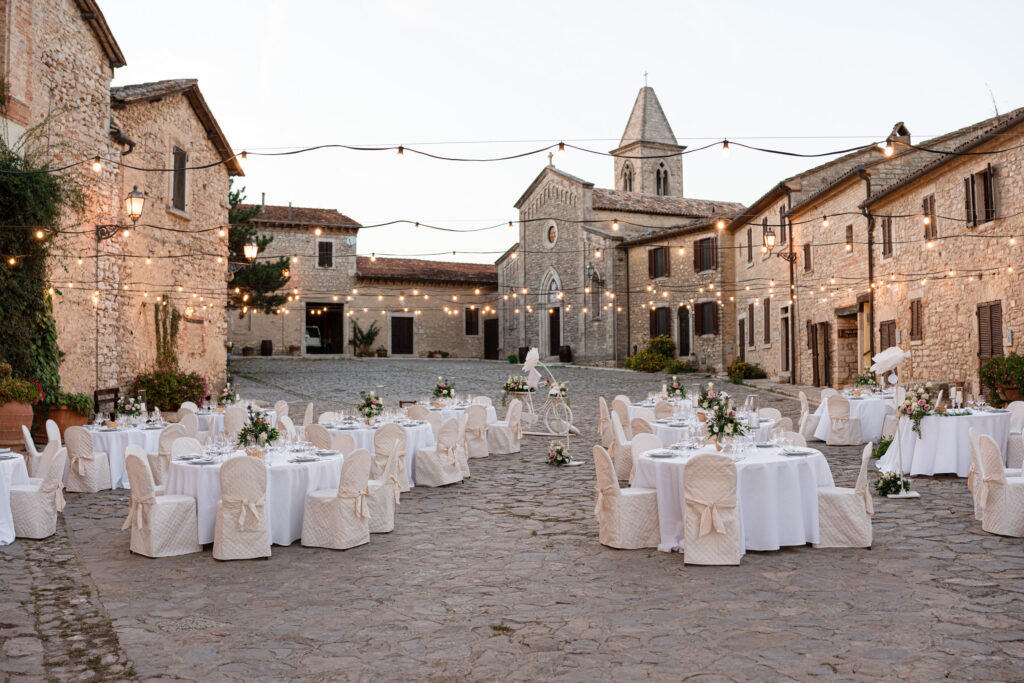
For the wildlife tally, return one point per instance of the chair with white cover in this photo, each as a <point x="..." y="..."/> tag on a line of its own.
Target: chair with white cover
<point x="318" y="436"/>
<point x="438" y="466"/>
<point x="639" y="425"/>
<point x="783" y="424"/>
<point x="281" y="408"/>
<point x="235" y="418"/>
<point x="286" y="428"/>
<point x="843" y="429"/>
<point x="1015" y="441"/>
<point x="604" y="426"/>
<point x="482" y="401"/>
<point x="307" y="417"/>
<point x="792" y="438"/>
<point x="185" y="445"/>
<point x="435" y="420"/>
<point x="338" y="519"/>
<point x="33" y="458"/>
<point x="190" y="422"/>
<point x="90" y="469"/>
<point x="417" y="412"/>
<point x="161" y="526"/>
<point x="34" y="506"/>
<point x="826" y="392"/>
<point x="390" y="437"/>
<point x="189" y="405"/>
<point x="53" y="432"/>
<point x="974" y="476"/>
<point x="808" y="420"/>
<point x="663" y="409"/>
<point x="504" y="436"/>
<point x="621" y="408"/>
<point x="640" y="444"/>
<point x="328" y="417"/>
<point x="626" y="400"/>
<point x="343" y="443"/>
<point x="844" y="514"/>
<point x="240" y="531"/>
<point x="382" y="497"/>
<point x="770" y="413"/>
<point x="138" y="450"/>
<point x="476" y="432"/>
<point x="621" y="453"/>
<point x="627" y="518"/>
<point x="460" y="446"/>
<point x="645" y="413"/>
<point x="711" y="520"/>
<point x="1002" y="497"/>
<point x="160" y="462"/>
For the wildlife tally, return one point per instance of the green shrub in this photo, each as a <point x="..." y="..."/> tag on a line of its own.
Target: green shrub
<point x="678" y="367"/>
<point x="645" y="361"/>
<point x="883" y="446"/>
<point x="168" y="389"/>
<point x="740" y="371"/>
<point x="80" y="403"/>
<point x="662" y="346"/>
<point x="17" y="390"/>
<point x="1005" y="372"/>
<point x="513" y="359"/>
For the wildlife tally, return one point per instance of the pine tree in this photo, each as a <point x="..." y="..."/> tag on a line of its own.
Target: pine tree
<point x="254" y="284"/>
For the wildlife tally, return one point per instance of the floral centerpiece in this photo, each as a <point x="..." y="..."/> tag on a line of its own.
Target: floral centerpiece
<point x="257" y="434"/>
<point x="917" y="405"/>
<point x="444" y="388"/>
<point x="130" y="406"/>
<point x="558" y="390"/>
<point x="227" y="396"/>
<point x="675" y="389"/>
<point x="370" y="406"/>
<point x="558" y="454"/>
<point x="866" y="380"/>
<point x="892" y="483"/>
<point x="722" y="421"/>
<point x="708" y="398"/>
<point x="514" y="385"/>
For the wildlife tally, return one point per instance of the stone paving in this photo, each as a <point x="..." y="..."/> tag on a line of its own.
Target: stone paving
<point x="502" y="578"/>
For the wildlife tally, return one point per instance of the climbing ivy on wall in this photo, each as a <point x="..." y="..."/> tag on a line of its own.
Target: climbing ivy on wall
<point x="166" y="320"/>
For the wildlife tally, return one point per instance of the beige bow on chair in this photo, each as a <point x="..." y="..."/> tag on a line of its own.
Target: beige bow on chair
<point x="393" y="480"/>
<point x="359" y="497"/>
<point x="983" y="487"/>
<point x="972" y="477"/>
<point x="603" y="426"/>
<point x="709" y="515"/>
<point x="57" y="489"/>
<point x="609" y="490"/>
<point x="248" y="510"/>
<point x="869" y="505"/>
<point x="138" y="513"/>
<point x="79" y="461"/>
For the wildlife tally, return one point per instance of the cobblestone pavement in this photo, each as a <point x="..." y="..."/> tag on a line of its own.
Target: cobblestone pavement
<point x="502" y="578"/>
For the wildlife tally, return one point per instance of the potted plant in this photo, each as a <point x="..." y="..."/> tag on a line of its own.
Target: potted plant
<point x="382" y="352"/>
<point x="64" y="408"/>
<point x="1004" y="376"/>
<point x="17" y="396"/>
<point x="168" y="388"/>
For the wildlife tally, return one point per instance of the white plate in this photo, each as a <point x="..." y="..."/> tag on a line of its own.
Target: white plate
<point x="574" y="463"/>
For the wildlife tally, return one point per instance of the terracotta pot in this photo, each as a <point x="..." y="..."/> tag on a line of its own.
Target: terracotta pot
<point x="1009" y="394"/>
<point x="64" y="417"/>
<point x="12" y="416"/>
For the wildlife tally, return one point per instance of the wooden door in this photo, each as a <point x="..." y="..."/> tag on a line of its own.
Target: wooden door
<point x="784" y="329"/>
<point x="491" y="339"/>
<point x="742" y="340"/>
<point x="812" y="341"/>
<point x="401" y="336"/>
<point x="554" y="331"/>
<point x="825" y="339"/>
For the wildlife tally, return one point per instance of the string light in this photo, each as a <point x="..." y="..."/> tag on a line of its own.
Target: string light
<point x="720" y="224"/>
<point x="889" y="149"/>
<point x="97" y="165"/>
<point x="725" y="148"/>
<point x="615" y="225"/>
<point x="597" y="253"/>
<point x="824" y="221"/>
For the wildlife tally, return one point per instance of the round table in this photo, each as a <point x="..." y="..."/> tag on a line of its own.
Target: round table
<point x="288" y="484"/>
<point x="205" y="417"/>
<point x="456" y="413"/>
<point x="12" y="472"/>
<point x="669" y="433"/>
<point x="777" y="496"/>
<point x="869" y="411"/>
<point x="648" y="405"/>
<point x="114" y="441"/>
<point x="416" y="437"/>
<point x="945" y="443"/>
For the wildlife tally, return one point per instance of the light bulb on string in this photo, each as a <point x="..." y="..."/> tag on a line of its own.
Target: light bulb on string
<point x="97" y="165"/>
<point x="40" y="234"/>
<point x="725" y="148"/>
<point x="615" y="225"/>
<point x="889" y="149"/>
<point x="824" y="221"/>
<point x="720" y="224"/>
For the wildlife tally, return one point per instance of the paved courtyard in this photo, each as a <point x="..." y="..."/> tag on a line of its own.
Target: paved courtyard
<point x="502" y="578"/>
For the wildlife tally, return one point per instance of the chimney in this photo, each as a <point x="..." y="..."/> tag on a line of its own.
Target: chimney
<point x="900" y="135"/>
<point x="289" y="210"/>
<point x="263" y="202"/>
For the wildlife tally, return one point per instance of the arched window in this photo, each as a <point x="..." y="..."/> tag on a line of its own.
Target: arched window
<point x="661" y="185"/>
<point x="627" y="177"/>
<point x="553" y="288"/>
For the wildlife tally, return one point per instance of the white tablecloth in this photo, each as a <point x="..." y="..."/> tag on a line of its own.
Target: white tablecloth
<point x="417" y="437"/>
<point x="944" y="445"/>
<point x="205" y="418"/>
<point x="670" y="435"/>
<point x="12" y="473"/>
<point x="113" y="444"/>
<point x="456" y="414"/>
<point x="870" y="412"/>
<point x="287" y="487"/>
<point x="633" y="407"/>
<point x="777" y="495"/>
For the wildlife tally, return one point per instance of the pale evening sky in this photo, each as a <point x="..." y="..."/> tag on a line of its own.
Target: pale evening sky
<point x="284" y="74"/>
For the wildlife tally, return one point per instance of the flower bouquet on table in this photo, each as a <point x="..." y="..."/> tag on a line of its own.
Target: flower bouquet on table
<point x="709" y="398"/>
<point x="132" y="407"/>
<point x="917" y="405"/>
<point x="444" y="388"/>
<point x="722" y="421"/>
<point x="558" y="454"/>
<point x="228" y="396"/>
<point x="370" y="407"/>
<point x="514" y="385"/>
<point x="675" y="389"/>
<point x="866" y="380"/>
<point x="256" y="435"/>
<point x="558" y="390"/>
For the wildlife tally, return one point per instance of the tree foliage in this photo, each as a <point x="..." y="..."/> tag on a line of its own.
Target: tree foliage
<point x="257" y="282"/>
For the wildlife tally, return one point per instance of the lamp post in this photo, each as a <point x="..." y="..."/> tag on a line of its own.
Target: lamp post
<point x="133" y="205"/>
<point x="251" y="249"/>
<point x="769" y="245"/>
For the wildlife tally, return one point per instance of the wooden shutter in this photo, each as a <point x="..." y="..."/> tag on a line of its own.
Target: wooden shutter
<point x="650" y="263"/>
<point x="714" y="259"/>
<point x="653" y="322"/>
<point x="807" y="256"/>
<point x="767" y="320"/>
<point x="984" y="331"/>
<point x="990" y="193"/>
<point x="180" y="162"/>
<point x="696" y="256"/>
<point x="782" y="224"/>
<point x="698" y="320"/>
<point x="969" y="207"/>
<point x="668" y="268"/>
<point x="924" y="212"/>
<point x="750" y="245"/>
<point x="809" y="332"/>
<point x="714" y="316"/>
<point x="916" y="333"/>
<point x="996" y="317"/>
<point x="750" y="325"/>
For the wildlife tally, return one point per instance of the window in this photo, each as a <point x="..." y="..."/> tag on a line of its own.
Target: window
<point x="980" y="196"/>
<point x="179" y="164"/>
<point x="782" y="224"/>
<point x="886" y="237"/>
<point x="750" y="245"/>
<point x="849" y="240"/>
<point x="807" y="257"/>
<point x="705" y="254"/>
<point x="661" y="180"/>
<point x="324" y="254"/>
<point x="657" y="262"/>
<point x="552" y="233"/>
<point x="553" y="289"/>
<point x="683" y="328"/>
<point x="887" y="334"/>
<point x="931" y="225"/>
<point x="750" y="325"/>
<point x="627" y="177"/>
<point x="595" y="297"/>
<point x="472" y="321"/>
<point x="916" y="332"/>
<point x="706" y="318"/>
<point x="767" y="302"/>
<point x="990" y="329"/>
<point x="660" y="324"/>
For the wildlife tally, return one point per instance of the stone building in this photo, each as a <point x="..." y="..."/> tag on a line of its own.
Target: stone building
<point x="57" y="59"/>
<point x="418" y="306"/>
<point x="566" y="284"/>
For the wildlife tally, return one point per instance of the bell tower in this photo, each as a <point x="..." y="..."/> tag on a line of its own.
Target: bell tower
<point x="641" y="164"/>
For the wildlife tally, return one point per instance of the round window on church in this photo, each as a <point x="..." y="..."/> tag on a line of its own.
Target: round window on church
<point x="552" y="234"/>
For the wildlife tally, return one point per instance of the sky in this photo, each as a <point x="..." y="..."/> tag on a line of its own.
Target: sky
<point x="492" y="79"/>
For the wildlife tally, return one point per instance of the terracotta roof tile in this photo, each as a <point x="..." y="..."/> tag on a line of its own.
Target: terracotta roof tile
<point x="634" y="202"/>
<point x="301" y="216"/>
<point x="419" y="270"/>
